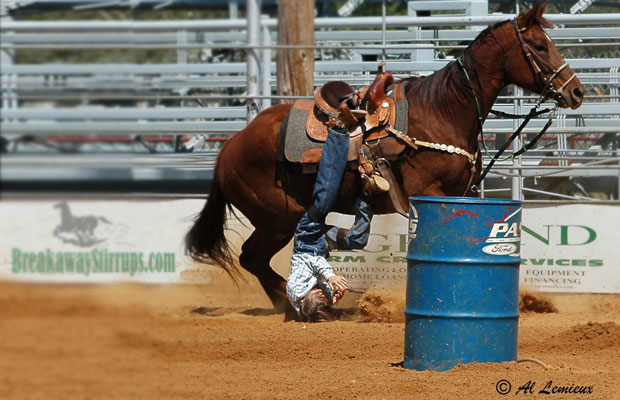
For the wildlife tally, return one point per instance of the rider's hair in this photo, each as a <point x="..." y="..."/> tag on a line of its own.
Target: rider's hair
<point x="313" y="309"/>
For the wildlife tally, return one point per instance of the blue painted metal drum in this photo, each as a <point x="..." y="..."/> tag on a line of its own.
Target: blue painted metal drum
<point x="462" y="301"/>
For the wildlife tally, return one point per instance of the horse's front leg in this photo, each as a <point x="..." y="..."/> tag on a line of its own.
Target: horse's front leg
<point x="256" y="254"/>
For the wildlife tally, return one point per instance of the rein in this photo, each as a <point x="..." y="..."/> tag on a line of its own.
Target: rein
<point x="548" y="92"/>
<point x="534" y="112"/>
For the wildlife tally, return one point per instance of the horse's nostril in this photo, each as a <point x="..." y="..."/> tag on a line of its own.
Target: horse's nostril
<point x="578" y="92"/>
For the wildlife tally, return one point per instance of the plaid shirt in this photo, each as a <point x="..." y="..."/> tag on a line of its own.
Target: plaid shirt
<point x="307" y="271"/>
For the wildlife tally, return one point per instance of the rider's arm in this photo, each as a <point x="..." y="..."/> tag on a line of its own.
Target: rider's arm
<point x="322" y="268"/>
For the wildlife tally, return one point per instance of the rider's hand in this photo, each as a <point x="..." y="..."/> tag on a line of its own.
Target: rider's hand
<point x="338" y="294"/>
<point x="338" y="282"/>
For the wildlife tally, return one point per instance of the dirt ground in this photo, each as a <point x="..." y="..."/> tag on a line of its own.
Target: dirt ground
<point x="217" y="342"/>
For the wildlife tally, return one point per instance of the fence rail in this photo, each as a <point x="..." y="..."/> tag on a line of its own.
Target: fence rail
<point x="199" y="99"/>
<point x="320" y="23"/>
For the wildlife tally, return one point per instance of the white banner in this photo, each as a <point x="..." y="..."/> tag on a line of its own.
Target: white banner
<point x="100" y="241"/>
<point x="571" y="248"/>
<point x="565" y="248"/>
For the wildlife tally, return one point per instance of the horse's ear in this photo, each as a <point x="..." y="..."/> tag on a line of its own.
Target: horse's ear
<point x="533" y="16"/>
<point x="541" y="10"/>
<point x="539" y="16"/>
<point x="526" y="18"/>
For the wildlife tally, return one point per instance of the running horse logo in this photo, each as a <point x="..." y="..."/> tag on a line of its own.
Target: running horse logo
<point x="77" y="230"/>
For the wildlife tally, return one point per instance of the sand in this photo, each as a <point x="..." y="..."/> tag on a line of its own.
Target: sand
<point x="218" y="342"/>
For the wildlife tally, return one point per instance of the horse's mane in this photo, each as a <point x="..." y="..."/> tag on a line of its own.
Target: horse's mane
<point x="450" y="82"/>
<point x="433" y="91"/>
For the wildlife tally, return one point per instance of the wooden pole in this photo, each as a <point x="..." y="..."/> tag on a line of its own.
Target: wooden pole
<point x="295" y="66"/>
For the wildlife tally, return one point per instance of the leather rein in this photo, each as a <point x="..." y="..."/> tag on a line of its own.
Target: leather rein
<point x="548" y="92"/>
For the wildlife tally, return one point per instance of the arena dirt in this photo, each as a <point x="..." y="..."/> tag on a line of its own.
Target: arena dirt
<point x="218" y="342"/>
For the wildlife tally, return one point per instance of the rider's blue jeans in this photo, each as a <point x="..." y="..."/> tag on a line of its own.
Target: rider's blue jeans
<point x="329" y="174"/>
<point x="311" y="230"/>
<point x="358" y="235"/>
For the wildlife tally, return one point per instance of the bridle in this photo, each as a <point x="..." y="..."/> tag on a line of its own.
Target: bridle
<point x="549" y="91"/>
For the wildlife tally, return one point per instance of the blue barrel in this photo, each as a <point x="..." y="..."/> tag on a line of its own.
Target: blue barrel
<point x="462" y="302"/>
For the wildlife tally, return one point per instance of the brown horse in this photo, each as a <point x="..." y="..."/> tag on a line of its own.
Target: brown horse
<point x="442" y="109"/>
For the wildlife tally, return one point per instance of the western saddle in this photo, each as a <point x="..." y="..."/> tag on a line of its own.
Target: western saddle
<point x="377" y="133"/>
<point x="368" y="114"/>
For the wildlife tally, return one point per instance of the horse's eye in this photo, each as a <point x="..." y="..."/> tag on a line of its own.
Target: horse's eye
<point x="541" y="48"/>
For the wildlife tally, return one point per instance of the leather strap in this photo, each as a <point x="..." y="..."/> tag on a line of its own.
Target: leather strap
<point x="396" y="194"/>
<point x="448" y="148"/>
<point x="399" y="200"/>
<point x="346" y="115"/>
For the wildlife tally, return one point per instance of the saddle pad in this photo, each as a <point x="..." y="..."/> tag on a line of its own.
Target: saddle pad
<point x="397" y="92"/>
<point x="296" y="146"/>
<point x="295" y="141"/>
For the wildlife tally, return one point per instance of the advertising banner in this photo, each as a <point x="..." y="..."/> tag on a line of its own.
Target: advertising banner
<point x="571" y="248"/>
<point x="100" y="241"/>
<point x="565" y="248"/>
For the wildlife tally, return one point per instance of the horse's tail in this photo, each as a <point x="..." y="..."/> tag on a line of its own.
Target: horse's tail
<point x="205" y="240"/>
<point x="104" y="219"/>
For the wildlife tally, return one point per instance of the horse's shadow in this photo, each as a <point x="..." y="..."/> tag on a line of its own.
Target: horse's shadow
<point x="342" y="314"/>
<point x="220" y="311"/>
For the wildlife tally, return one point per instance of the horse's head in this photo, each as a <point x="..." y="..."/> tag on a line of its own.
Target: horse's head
<point x="533" y="62"/>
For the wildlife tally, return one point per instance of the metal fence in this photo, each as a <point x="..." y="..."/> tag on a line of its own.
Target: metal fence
<point x="164" y="115"/>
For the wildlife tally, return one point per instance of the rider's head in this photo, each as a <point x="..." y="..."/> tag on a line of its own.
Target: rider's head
<point x="316" y="306"/>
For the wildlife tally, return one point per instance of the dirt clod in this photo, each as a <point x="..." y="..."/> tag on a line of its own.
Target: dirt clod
<point x="381" y="306"/>
<point x="530" y="302"/>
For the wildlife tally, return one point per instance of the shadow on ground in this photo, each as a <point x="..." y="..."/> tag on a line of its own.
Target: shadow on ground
<point x="342" y="314"/>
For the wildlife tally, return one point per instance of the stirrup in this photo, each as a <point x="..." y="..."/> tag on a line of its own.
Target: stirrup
<point x="375" y="183"/>
<point x="380" y="182"/>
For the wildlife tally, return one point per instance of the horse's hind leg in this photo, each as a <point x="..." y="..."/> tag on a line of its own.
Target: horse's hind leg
<point x="256" y="253"/>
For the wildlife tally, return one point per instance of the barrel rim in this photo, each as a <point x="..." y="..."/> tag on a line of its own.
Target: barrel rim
<point x="464" y="200"/>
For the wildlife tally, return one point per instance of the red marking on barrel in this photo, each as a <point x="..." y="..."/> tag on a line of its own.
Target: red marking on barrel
<point x="462" y="212"/>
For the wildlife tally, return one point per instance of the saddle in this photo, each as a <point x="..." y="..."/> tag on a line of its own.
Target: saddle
<point x="366" y="111"/>
<point x="370" y="112"/>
